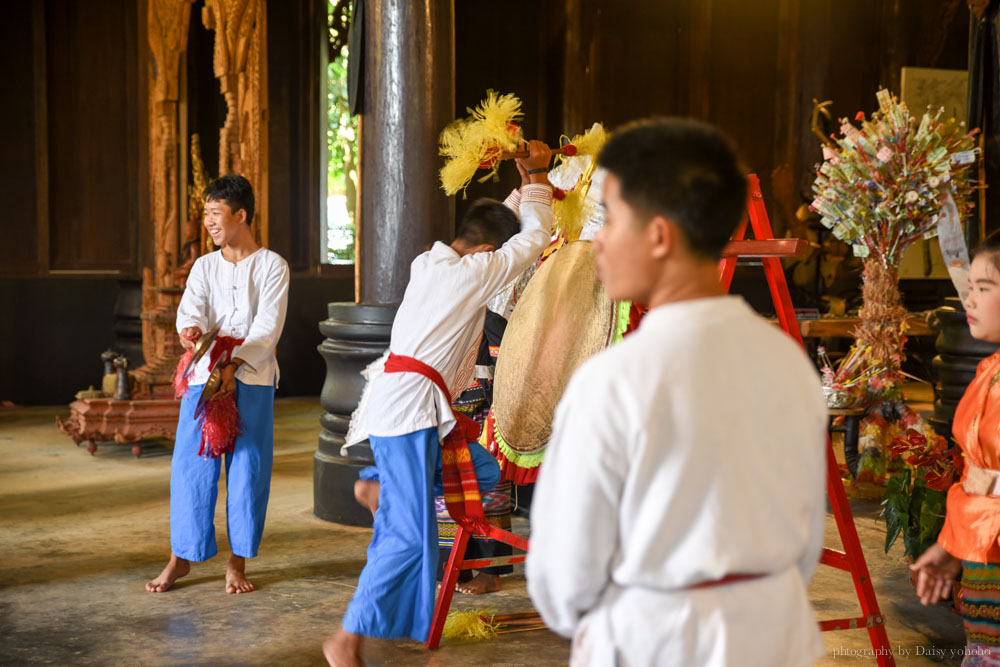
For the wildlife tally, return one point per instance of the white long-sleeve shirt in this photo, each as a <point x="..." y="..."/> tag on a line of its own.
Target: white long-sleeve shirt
<point x="693" y="450"/>
<point x="441" y="317"/>
<point x="246" y="299"/>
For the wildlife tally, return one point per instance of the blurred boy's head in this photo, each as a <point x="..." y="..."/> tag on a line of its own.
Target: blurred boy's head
<point x="486" y="226"/>
<point x="674" y="193"/>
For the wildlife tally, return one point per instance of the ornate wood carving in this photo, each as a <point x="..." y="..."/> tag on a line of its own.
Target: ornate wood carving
<point x="168" y="29"/>
<point x="240" y="65"/>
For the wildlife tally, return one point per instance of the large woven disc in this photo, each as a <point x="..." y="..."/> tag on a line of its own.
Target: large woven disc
<point x="562" y="318"/>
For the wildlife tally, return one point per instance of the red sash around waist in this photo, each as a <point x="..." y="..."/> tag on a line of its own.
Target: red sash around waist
<point x="728" y="579"/>
<point x="461" y="489"/>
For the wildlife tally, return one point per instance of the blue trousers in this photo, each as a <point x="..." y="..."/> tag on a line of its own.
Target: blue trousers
<point x="194" y="480"/>
<point x="395" y="594"/>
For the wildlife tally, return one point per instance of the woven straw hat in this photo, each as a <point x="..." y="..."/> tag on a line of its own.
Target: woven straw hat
<point x="563" y="318"/>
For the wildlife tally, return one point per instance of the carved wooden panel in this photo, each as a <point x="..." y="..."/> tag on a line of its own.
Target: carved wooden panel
<point x="240" y="63"/>
<point x="168" y="29"/>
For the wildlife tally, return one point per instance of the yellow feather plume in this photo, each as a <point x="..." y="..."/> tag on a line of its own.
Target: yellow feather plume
<point x="478" y="624"/>
<point x="568" y="214"/>
<point x="590" y="142"/>
<point x="468" y="142"/>
<point x="571" y="212"/>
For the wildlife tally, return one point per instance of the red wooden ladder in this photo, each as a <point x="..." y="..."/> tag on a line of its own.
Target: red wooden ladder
<point x="852" y="559"/>
<point x="457" y="562"/>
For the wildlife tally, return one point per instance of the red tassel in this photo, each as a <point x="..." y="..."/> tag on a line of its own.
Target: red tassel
<point x="558" y="193"/>
<point x="220" y="426"/>
<point x="569" y="150"/>
<point x="180" y="381"/>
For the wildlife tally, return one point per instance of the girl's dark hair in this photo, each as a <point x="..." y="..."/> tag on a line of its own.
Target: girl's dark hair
<point x="235" y="190"/>
<point x="989" y="246"/>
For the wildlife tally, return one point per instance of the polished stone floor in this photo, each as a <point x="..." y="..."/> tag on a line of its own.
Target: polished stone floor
<point x="80" y="535"/>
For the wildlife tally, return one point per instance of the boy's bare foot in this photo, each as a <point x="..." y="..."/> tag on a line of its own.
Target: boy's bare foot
<point x="479" y="584"/>
<point x="175" y="569"/>
<point x="236" y="581"/>
<point x="343" y="649"/>
<point x="366" y="493"/>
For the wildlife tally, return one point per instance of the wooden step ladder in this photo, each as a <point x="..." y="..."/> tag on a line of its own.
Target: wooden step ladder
<point x="852" y="558"/>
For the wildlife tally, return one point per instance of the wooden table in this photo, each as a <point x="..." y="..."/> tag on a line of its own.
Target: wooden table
<point x="842" y="327"/>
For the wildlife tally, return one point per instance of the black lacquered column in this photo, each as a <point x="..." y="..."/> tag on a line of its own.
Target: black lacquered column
<point x="409" y="97"/>
<point x="356" y="335"/>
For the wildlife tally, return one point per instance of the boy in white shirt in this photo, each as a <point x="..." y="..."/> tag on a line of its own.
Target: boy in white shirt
<point x="242" y="291"/>
<point x="435" y="338"/>
<point x="679" y="513"/>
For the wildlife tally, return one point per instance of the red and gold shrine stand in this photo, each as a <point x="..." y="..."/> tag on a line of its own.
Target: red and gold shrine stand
<point x="97" y="420"/>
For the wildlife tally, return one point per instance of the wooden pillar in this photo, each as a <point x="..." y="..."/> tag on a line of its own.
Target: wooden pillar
<point x="409" y="96"/>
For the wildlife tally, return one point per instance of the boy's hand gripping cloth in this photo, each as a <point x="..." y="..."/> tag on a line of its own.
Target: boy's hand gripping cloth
<point x="220" y="423"/>
<point x="461" y="489"/>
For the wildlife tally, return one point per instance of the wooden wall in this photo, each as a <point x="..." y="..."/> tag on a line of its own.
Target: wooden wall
<point x="18" y="192"/>
<point x="297" y="131"/>
<point x="751" y="68"/>
<point x="71" y="189"/>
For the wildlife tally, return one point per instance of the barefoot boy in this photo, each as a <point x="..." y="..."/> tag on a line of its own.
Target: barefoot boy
<point x="438" y="325"/>
<point x="241" y="290"/>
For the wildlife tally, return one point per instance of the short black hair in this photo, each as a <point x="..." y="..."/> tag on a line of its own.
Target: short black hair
<point x="685" y="170"/>
<point x="989" y="247"/>
<point x="488" y="221"/>
<point x="233" y="189"/>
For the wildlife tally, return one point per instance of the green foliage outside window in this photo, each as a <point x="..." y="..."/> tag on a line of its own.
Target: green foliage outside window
<point x="342" y="145"/>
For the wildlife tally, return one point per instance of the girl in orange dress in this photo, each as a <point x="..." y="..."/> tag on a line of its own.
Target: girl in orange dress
<point x="970" y="539"/>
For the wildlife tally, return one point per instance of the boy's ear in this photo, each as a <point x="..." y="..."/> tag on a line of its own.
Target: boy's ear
<point x="661" y="235"/>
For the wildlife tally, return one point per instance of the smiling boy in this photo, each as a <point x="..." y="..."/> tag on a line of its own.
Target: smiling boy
<point x="242" y="291"/>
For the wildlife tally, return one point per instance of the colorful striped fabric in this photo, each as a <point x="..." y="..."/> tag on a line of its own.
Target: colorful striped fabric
<point x="980" y="609"/>
<point x="475" y="403"/>
<point x="496" y="504"/>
